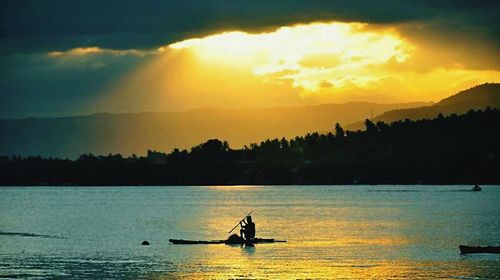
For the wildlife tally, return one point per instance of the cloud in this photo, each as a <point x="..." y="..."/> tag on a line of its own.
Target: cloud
<point x="321" y="60"/>
<point x="76" y="52"/>
<point x="305" y="52"/>
<point x="95" y="57"/>
<point x="340" y="62"/>
<point x="61" y="83"/>
<point x="90" y="51"/>
<point x="46" y="25"/>
<point x="56" y="56"/>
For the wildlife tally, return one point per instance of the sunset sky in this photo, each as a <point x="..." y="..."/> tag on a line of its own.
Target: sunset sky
<point x="77" y="57"/>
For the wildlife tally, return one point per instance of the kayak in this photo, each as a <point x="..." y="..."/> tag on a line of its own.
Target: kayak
<point x="229" y="242"/>
<point x="478" y="249"/>
<point x="476" y="188"/>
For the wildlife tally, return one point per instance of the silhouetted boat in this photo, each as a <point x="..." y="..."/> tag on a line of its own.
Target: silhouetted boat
<point x="229" y="242"/>
<point x="476" y="188"/>
<point x="478" y="249"/>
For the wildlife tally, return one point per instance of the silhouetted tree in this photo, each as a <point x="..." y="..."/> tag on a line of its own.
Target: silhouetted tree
<point x="339" y="131"/>
<point x="453" y="149"/>
<point x="370" y="126"/>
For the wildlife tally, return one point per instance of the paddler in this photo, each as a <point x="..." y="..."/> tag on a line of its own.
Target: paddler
<point x="247" y="228"/>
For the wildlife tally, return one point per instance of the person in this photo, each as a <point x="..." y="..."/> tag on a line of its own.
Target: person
<point x="247" y="228"/>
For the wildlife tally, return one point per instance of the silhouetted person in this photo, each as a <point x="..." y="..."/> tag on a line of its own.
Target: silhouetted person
<point x="247" y="229"/>
<point x="476" y="188"/>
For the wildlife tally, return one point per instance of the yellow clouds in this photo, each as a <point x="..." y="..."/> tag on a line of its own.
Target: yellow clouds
<point x="293" y="65"/>
<point x="312" y="57"/>
<point x="97" y="58"/>
<point x="89" y="51"/>
<point x="341" y="62"/>
<point x="76" y="52"/>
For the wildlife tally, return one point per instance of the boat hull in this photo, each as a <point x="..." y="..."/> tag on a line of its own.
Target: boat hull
<point x="244" y="242"/>
<point x="479" y="250"/>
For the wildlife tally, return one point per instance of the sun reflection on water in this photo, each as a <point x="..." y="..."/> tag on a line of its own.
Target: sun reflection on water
<point x="235" y="187"/>
<point x="332" y="232"/>
<point x="245" y="264"/>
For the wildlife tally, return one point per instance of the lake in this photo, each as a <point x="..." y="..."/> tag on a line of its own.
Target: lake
<point x="347" y="232"/>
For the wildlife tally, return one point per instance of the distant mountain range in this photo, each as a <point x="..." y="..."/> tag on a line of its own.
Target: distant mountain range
<point x="458" y="149"/>
<point x="130" y="133"/>
<point x="477" y="98"/>
<point x="135" y="133"/>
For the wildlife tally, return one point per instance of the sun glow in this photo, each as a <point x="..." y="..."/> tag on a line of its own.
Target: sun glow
<point x="312" y="56"/>
<point x="303" y="64"/>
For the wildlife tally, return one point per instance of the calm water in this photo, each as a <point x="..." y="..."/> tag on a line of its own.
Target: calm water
<point x="344" y="232"/>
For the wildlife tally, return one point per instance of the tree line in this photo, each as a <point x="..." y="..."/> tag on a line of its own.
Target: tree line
<point x="445" y="150"/>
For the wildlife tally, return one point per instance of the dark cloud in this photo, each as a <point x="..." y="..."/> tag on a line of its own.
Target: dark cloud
<point x="38" y="85"/>
<point x="62" y="24"/>
<point x="32" y="84"/>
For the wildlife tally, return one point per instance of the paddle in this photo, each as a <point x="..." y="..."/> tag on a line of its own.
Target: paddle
<point x="240" y="222"/>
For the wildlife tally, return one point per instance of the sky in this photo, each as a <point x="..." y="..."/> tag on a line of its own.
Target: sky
<point x="60" y="58"/>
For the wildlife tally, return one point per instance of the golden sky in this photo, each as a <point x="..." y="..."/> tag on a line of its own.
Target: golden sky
<point x="179" y="55"/>
<point x="313" y="63"/>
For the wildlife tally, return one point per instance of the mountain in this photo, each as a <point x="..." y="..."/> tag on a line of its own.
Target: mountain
<point x="137" y="132"/>
<point x="476" y="98"/>
<point x="458" y="149"/>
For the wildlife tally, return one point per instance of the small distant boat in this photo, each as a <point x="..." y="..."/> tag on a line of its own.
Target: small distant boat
<point x="478" y="249"/>
<point x="476" y="188"/>
<point x="227" y="242"/>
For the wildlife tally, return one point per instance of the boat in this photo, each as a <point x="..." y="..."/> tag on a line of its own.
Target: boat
<point x="476" y="188"/>
<point x="233" y="239"/>
<point x="478" y="249"/>
<point x="240" y="241"/>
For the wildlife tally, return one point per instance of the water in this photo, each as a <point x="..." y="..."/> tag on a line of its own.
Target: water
<point x="346" y="232"/>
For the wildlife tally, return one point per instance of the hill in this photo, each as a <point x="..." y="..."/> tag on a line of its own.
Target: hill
<point x="138" y="132"/>
<point x="476" y="98"/>
<point x="447" y="150"/>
